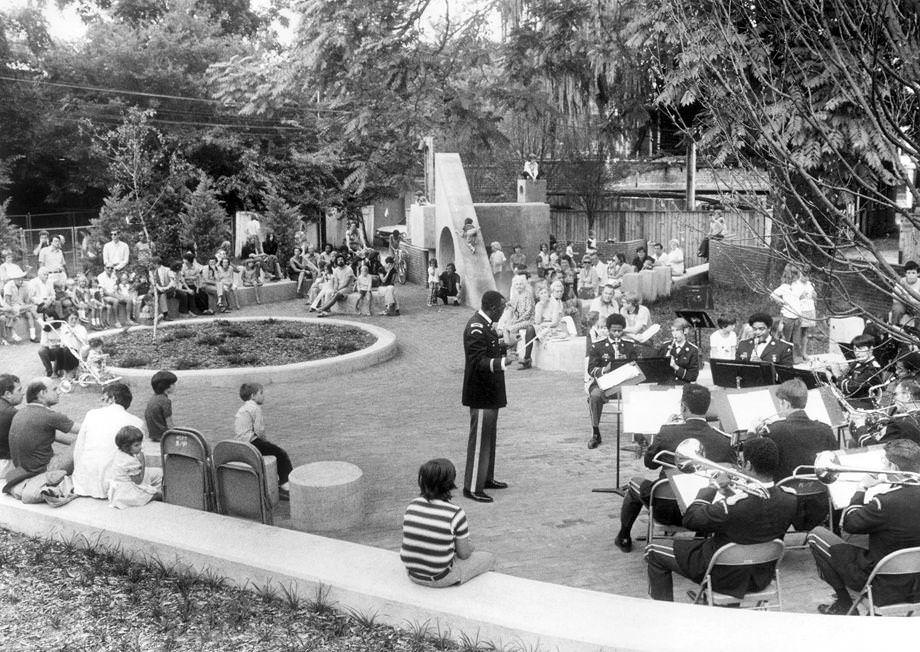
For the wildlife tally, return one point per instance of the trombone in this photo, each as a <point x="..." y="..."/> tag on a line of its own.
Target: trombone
<point x="828" y="471"/>
<point x="689" y="458"/>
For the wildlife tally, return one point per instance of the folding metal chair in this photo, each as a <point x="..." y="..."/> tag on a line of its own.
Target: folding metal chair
<point x="807" y="485"/>
<point x="735" y="554"/>
<point x="241" y="481"/>
<point x="899" y="562"/>
<point x="187" y="475"/>
<point x="661" y="490"/>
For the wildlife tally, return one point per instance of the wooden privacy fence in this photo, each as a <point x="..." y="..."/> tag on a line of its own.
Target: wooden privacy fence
<point x="688" y="227"/>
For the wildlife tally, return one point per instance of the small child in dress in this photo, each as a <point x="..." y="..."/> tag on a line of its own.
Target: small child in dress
<point x="469" y="233"/>
<point x="252" y="277"/>
<point x="723" y="343"/>
<point x="497" y="258"/>
<point x="363" y="285"/>
<point x="96" y="360"/>
<point x="96" y="304"/>
<point x="81" y="297"/>
<point x="226" y="287"/>
<point x="129" y="482"/>
<point x="432" y="282"/>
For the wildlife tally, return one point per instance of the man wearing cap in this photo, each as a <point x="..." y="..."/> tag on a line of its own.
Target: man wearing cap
<point x="116" y="253"/>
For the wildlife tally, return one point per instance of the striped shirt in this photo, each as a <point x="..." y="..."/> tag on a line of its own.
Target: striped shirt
<point x="430" y="529"/>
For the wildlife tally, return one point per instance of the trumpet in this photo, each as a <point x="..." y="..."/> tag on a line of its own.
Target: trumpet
<point x="689" y="457"/>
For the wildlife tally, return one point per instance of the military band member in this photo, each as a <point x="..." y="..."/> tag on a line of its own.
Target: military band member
<point x="731" y="517"/>
<point x="606" y="355"/>
<point x="903" y="424"/>
<point x="694" y="403"/>
<point x="684" y="356"/>
<point x="484" y="394"/>
<point x="888" y="514"/>
<point x="763" y="347"/>
<point x="863" y="373"/>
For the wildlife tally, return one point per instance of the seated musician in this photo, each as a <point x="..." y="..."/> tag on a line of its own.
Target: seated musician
<point x="605" y="356"/>
<point x="799" y="439"/>
<point x="694" y="403"/>
<point x="903" y="424"/>
<point x="685" y="357"/>
<point x="888" y="514"/>
<point x="862" y="375"/>
<point x="763" y="347"/>
<point x="731" y="516"/>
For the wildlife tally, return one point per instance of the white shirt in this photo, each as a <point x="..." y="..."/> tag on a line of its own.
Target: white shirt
<point x="109" y="284"/>
<point x="52" y="258"/>
<point x="789" y="298"/>
<point x="95" y="447"/>
<point x="8" y="270"/>
<point x="253" y="229"/>
<point x="603" y="309"/>
<point x="116" y="254"/>
<point x="721" y="346"/>
<point x="40" y="291"/>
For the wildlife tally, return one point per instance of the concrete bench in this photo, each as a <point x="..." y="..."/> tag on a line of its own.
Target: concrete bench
<point x="271" y="292"/>
<point x="326" y="496"/>
<point x="347" y="307"/>
<point x="560" y="355"/>
<point x="495" y="607"/>
<point x="695" y="275"/>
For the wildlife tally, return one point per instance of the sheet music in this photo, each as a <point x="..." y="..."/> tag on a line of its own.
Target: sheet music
<point x="816" y="409"/>
<point x="686" y="486"/>
<point x="750" y="408"/>
<point x="646" y="409"/>
<point x="618" y="376"/>
<point x="847" y="484"/>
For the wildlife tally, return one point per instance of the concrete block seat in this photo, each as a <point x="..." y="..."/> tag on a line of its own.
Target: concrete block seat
<point x="560" y="355"/>
<point x="347" y="307"/>
<point x="326" y="496"/>
<point x="271" y="292"/>
<point x="696" y="275"/>
<point x="648" y="284"/>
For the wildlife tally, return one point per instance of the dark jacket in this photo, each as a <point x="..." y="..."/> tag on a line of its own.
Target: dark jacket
<point x="776" y="351"/>
<point x="857" y="380"/>
<point x="901" y="426"/>
<point x="483" y="376"/>
<point x="799" y="439"/>
<point x="687" y="358"/>
<point x="717" y="447"/>
<point x="604" y="352"/>
<point x="748" y="519"/>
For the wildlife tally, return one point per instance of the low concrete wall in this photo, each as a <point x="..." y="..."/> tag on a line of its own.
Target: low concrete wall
<point x="496" y="608"/>
<point x="526" y="225"/>
<point x="381" y="350"/>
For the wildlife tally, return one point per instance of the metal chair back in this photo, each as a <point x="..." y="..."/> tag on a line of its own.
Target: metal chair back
<point x="187" y="474"/>
<point x="899" y="562"/>
<point x="735" y="554"/>
<point x="240" y="480"/>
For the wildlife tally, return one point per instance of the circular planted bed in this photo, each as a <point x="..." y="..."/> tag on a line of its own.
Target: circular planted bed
<point x="226" y="352"/>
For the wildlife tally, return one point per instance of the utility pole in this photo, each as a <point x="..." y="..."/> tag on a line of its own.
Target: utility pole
<point x="690" y="200"/>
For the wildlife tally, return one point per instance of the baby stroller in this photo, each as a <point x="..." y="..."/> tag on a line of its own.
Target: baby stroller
<point x="89" y="371"/>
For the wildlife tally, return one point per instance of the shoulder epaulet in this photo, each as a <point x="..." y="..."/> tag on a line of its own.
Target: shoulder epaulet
<point x="784" y="341"/>
<point x="788" y="490"/>
<point x="692" y="344"/>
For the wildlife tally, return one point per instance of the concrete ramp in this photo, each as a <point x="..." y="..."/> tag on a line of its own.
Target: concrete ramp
<point x="453" y="204"/>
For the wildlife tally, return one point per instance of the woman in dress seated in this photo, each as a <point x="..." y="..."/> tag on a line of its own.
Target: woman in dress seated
<point x="637" y="316"/>
<point x="549" y="319"/>
<point x="618" y="268"/>
<point x="519" y="312"/>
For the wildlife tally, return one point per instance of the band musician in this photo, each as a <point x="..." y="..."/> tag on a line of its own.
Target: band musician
<point x="903" y="424"/>
<point x="606" y="355"/>
<point x="731" y="517"/>
<point x="684" y="356"/>
<point x="888" y="514"/>
<point x="694" y="403"/>
<point x="763" y="347"/>
<point x="862" y="375"/>
<point x="798" y="441"/>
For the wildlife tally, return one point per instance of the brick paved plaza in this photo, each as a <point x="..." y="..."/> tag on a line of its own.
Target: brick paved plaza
<point x="388" y="419"/>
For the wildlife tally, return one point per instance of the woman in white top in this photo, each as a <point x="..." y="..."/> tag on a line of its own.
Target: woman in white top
<point x="637" y="316"/>
<point x="787" y="296"/>
<point x="808" y="309"/>
<point x="674" y="258"/>
<point x="723" y="343"/>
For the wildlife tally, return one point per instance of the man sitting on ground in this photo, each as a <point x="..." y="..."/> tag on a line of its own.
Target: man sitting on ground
<point x="694" y="403"/>
<point x="449" y="285"/>
<point x="10" y="397"/>
<point x="888" y="514"/>
<point x="36" y="427"/>
<point x="731" y="516"/>
<point x="605" y="356"/>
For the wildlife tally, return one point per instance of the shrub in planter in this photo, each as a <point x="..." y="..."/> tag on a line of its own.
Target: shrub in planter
<point x="132" y="361"/>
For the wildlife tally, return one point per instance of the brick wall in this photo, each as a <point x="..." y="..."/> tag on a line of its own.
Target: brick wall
<point x="416" y="263"/>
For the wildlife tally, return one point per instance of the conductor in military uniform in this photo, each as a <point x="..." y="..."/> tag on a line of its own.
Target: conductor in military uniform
<point x="605" y="356"/>
<point x="731" y="517"/>
<point x="763" y="347"/>
<point x="888" y="514"/>
<point x="484" y="394"/>
<point x="684" y="356"/>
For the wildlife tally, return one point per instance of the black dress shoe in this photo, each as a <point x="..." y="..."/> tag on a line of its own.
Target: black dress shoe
<point x="495" y="484"/>
<point x="623" y="543"/>
<point x="836" y="608"/>
<point x="595" y="441"/>
<point x="479" y="496"/>
<point x="525" y="364"/>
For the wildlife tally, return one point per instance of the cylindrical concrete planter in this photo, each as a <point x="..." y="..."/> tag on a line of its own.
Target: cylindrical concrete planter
<point x="381" y="350"/>
<point x="326" y="496"/>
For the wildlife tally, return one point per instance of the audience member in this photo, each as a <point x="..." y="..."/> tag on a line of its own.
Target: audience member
<point x="191" y="285"/>
<point x="15" y="295"/>
<point x="95" y="446"/>
<point x="449" y="285"/>
<point x="388" y="288"/>
<point x="158" y="414"/>
<point x="543" y="260"/>
<point x="35" y="427"/>
<point x="343" y="281"/>
<point x="589" y="282"/>
<point x="249" y="426"/>
<point x="432" y="281"/>
<point x="723" y="342"/>
<point x="251" y="276"/>
<point x="226" y="286"/>
<point x="10" y="397"/>
<point x="115" y="252"/>
<point x="52" y="259"/>
<point x="270" y="263"/>
<point x="253" y="232"/>
<point x="906" y="293"/>
<point x="637" y="316"/>
<point x="605" y="304"/>
<point x="128" y="481"/>
<point x="436" y="548"/>
<point x="519" y="314"/>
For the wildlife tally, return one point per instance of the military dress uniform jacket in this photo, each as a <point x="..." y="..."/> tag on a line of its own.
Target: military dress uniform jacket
<point x="859" y="378"/>
<point x="716" y="446"/>
<point x="902" y="426"/>
<point x="742" y="519"/>
<point x="483" y="375"/>
<point x="604" y="352"/>
<point x="799" y="439"/>
<point x="776" y="351"/>
<point x="687" y="357"/>
<point x="892" y="521"/>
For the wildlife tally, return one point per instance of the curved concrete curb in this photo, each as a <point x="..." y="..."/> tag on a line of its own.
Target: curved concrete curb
<point x="380" y="351"/>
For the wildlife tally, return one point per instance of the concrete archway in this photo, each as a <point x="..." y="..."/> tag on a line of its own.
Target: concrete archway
<point x="445" y="251"/>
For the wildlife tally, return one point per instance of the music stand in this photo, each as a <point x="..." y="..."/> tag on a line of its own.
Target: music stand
<point x="812" y="379"/>
<point x="698" y="319"/>
<point x="730" y="373"/>
<point x="656" y="369"/>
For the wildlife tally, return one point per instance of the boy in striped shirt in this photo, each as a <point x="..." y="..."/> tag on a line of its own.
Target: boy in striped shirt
<point x="436" y="546"/>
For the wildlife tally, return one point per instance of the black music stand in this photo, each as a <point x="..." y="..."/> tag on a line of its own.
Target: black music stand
<point x="698" y="319"/>
<point x="812" y="379"/>
<point x="656" y="369"/>
<point x="730" y="373"/>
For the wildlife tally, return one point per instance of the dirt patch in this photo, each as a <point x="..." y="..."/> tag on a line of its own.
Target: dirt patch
<point x="221" y="344"/>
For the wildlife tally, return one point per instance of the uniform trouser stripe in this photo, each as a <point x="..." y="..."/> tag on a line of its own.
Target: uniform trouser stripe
<point x="480" y="450"/>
